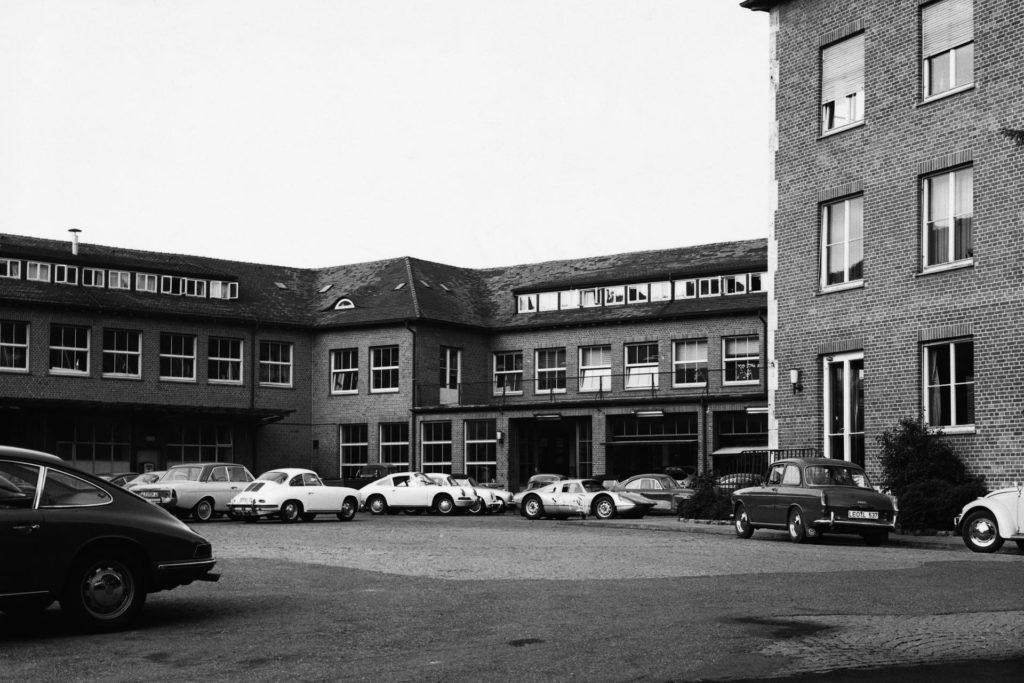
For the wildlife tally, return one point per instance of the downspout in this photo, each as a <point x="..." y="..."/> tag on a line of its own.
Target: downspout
<point x="253" y="363"/>
<point x="412" y="331"/>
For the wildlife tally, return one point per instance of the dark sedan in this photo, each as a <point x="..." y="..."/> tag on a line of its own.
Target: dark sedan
<point x="70" y="536"/>
<point x="811" y="496"/>
<point x="665" y="491"/>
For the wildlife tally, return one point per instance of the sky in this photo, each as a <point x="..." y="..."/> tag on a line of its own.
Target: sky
<point x="312" y="133"/>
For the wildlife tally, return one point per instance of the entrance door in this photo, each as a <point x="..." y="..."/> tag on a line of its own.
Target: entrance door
<point x="844" y="407"/>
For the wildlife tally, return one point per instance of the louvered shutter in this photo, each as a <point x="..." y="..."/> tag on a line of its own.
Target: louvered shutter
<point x="842" y="69"/>
<point x="945" y="25"/>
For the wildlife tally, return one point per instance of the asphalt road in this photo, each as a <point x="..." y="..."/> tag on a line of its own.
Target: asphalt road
<point x="464" y="599"/>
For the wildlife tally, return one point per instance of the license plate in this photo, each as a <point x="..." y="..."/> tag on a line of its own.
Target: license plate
<point x="863" y="514"/>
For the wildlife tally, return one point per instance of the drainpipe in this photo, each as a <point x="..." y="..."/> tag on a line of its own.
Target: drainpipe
<point x="412" y="400"/>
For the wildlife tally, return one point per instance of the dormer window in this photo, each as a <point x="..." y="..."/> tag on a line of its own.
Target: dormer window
<point x="94" y="277"/>
<point x="195" y="288"/>
<point x="344" y="304"/>
<point x="38" y="272"/>
<point x="170" y="284"/>
<point x="65" y="275"/>
<point x="223" y="290"/>
<point x="325" y="288"/>
<point x="144" y="282"/>
<point x="10" y="268"/>
<point x="119" y="279"/>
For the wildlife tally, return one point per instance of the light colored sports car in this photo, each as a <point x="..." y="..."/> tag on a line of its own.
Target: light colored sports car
<point x="414" y="491"/>
<point x="582" y="497"/>
<point x="292" y="494"/>
<point x="985" y="523"/>
<point x="492" y="496"/>
<point x="200" y="489"/>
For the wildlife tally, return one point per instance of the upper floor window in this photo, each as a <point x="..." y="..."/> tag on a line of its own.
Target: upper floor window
<point x="508" y="372"/>
<point x="638" y="294"/>
<point x="10" y="268"/>
<point x="39" y="272"/>
<point x="171" y="284"/>
<point x="122" y="351"/>
<point x="275" y="364"/>
<point x="758" y="282"/>
<point x="710" y="286"/>
<point x="735" y="284"/>
<point x="224" y="360"/>
<point x="661" y="291"/>
<point x="590" y="298"/>
<point x="69" y="349"/>
<point x="177" y="356"/>
<point x="947" y="46"/>
<point x="690" y="363"/>
<point x="344" y="371"/>
<point x="642" y="365"/>
<point x="842" y="83"/>
<point x="613" y="296"/>
<point x="949" y="383"/>
<point x="13" y="346"/>
<point x="547" y="301"/>
<point x="686" y="289"/>
<point x="948" y="209"/>
<point x="94" y="277"/>
<point x="119" y="279"/>
<point x="842" y="242"/>
<point x="65" y="275"/>
<point x="526" y="303"/>
<point x="596" y="368"/>
<point x="195" y="287"/>
<point x="741" y="360"/>
<point x="384" y="369"/>
<point x="223" y="290"/>
<point x="550" y="371"/>
<point x="145" y="282"/>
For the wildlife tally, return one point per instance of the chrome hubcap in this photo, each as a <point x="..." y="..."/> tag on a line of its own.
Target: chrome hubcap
<point x="107" y="590"/>
<point x="983" y="532"/>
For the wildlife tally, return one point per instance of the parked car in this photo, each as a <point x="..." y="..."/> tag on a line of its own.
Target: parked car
<point x="582" y="497"/>
<point x="728" y="483"/>
<point x="500" y="498"/>
<point x="144" y="478"/>
<point x="811" y="496"/>
<point x="414" y="491"/>
<point x="985" y="523"/>
<point x="200" y="489"/>
<point x="364" y="475"/>
<point x="70" y="536"/>
<point x="685" y="475"/>
<point x="291" y="494"/>
<point x="664" y="490"/>
<point x="535" y="482"/>
<point x="118" y="478"/>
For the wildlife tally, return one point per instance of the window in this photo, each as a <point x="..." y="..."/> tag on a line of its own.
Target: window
<point x="449" y="374"/>
<point x="354" y="449"/>
<point x="206" y="442"/>
<point x="171" y="284"/>
<point x="94" y="445"/>
<point x="275" y="364"/>
<point x="69" y="349"/>
<point x="437" y="447"/>
<point x="844" y="407"/>
<point x="527" y="303"/>
<point x="569" y="299"/>
<point x="949" y="384"/>
<point x="735" y="284"/>
<point x="344" y="371"/>
<point x="65" y="275"/>
<point x="613" y="296"/>
<point x="547" y="301"/>
<point x="690" y="363"/>
<point x="842" y="242"/>
<point x="223" y="290"/>
<point x="94" y="277"/>
<point x="590" y="298"/>
<point x="384" y="369"/>
<point x="842" y="84"/>
<point x="742" y="360"/>
<point x="596" y="368"/>
<point x="37" y="272"/>
<point x="394" y="443"/>
<point x="144" y="282"/>
<point x="344" y="305"/>
<point x="508" y="372"/>
<point x="122" y="353"/>
<point x="642" y="365"/>
<point x="224" y="360"/>
<point x="661" y="291"/>
<point x="710" y="286"/>
<point x="638" y="294"/>
<point x="686" y="289"/>
<point x="10" y="268"/>
<point x="739" y="429"/>
<point x="757" y="282"/>
<point x="550" y="371"/>
<point x="119" y="279"/>
<point x="481" y="450"/>
<point x="177" y="356"/>
<point x="948" y="210"/>
<point x="947" y="46"/>
<point x="13" y="346"/>
<point x="195" y="288"/>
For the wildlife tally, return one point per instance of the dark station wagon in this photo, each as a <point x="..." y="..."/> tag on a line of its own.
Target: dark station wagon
<point x="811" y="496"/>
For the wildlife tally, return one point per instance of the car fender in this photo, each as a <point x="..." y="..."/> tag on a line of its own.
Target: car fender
<point x="1004" y="517"/>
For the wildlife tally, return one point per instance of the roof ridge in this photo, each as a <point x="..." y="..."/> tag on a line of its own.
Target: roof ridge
<point x="412" y="287"/>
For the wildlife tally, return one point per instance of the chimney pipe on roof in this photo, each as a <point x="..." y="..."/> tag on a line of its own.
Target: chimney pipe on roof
<point x="74" y="240"/>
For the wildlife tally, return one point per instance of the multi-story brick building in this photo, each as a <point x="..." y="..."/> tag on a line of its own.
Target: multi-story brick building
<point x="897" y="242"/>
<point x="614" y="365"/>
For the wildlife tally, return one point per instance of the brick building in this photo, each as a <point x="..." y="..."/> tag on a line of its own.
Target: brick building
<point x="120" y="359"/>
<point x="897" y="243"/>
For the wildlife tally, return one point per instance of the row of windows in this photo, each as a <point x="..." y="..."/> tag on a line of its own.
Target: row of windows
<point x="641" y="293"/>
<point x="70" y="350"/>
<point x="59" y="273"/>
<point x="947" y="63"/>
<point x="947" y="229"/>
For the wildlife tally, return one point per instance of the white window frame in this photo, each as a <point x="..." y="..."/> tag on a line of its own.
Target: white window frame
<point x="615" y="295"/>
<point x="526" y="303"/>
<point x="500" y="389"/>
<point x="592" y="297"/>
<point x="685" y="289"/>
<point x="690" y="354"/>
<point x="709" y="286"/>
<point x="845" y="243"/>
<point x="595" y="377"/>
<point x="394" y="369"/>
<point x="490" y="445"/>
<point x="733" y="285"/>
<point x="128" y="353"/>
<point x="36" y="271"/>
<point x="444" y="444"/>
<point x="382" y="444"/>
<point x="638" y="293"/>
<point x="641" y="375"/>
<point x="119" y="279"/>
<point x="94" y="277"/>
<point x="357" y="447"/>
<point x="951" y="218"/>
<point x="235" y="362"/>
<point x="194" y="287"/>
<point x="841" y="60"/>
<point x="172" y="284"/>
<point x="847" y="408"/>
<point x="740" y="359"/>
<point x="549" y="373"/>
<point x="10" y="268"/>
<point x="181" y="358"/>
<point x="569" y="299"/>
<point x="64" y="274"/>
<point x="757" y="282"/>
<point x="147" y="282"/>
<point x="9" y="347"/>
<point x="223" y="290"/>
<point x="269" y="364"/>
<point x="79" y="372"/>
<point x="340" y="371"/>
<point x="928" y="386"/>
<point x="957" y="40"/>
<point x="547" y="301"/>
<point x="661" y="291"/>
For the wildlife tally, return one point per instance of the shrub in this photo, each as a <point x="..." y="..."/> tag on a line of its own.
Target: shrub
<point x="706" y="502"/>
<point x="931" y="504"/>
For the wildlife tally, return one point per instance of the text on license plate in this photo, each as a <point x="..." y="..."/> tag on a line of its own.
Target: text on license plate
<point x="863" y="514"/>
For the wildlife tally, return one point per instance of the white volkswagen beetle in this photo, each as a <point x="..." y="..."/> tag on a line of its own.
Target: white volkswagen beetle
<point x="985" y="523"/>
<point x="292" y="494"/>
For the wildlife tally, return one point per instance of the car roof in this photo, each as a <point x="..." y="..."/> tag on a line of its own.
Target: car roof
<point x="291" y="471"/>
<point x="204" y="464"/>
<point x="30" y="455"/>
<point x="817" y="461"/>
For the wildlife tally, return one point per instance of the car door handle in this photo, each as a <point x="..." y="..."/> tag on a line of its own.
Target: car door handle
<point x="25" y="529"/>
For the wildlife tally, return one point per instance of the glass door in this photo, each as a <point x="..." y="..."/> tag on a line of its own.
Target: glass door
<point x="844" y="407"/>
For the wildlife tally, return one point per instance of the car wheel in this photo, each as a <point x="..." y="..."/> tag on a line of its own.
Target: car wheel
<point x="377" y="505"/>
<point x="291" y="511"/>
<point x="604" y="508"/>
<point x="444" y="504"/>
<point x="744" y="529"/>
<point x="348" y="510"/>
<point x="796" y="528"/>
<point x="533" y="508"/>
<point x="203" y="511"/>
<point x="501" y="507"/>
<point x="1020" y="545"/>
<point x="25" y="607"/>
<point x="105" y="590"/>
<point x="477" y="507"/>
<point x="876" y="538"/>
<point x="308" y="516"/>
<point x="981" y="533"/>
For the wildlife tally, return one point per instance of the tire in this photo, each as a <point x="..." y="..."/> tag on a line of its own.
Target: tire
<point x="203" y="510"/>
<point x="981" y="532"/>
<point x="502" y="507"/>
<point x="413" y="511"/>
<point x="377" y="505"/>
<point x="348" y="510"/>
<point x="25" y="607"/>
<point x="874" y="539"/>
<point x="105" y="590"/>
<point x="744" y="529"/>
<point x="308" y="516"/>
<point x="795" y="527"/>
<point x="604" y="508"/>
<point x="444" y="505"/>
<point x="532" y="507"/>
<point x="1020" y="545"/>
<point x="291" y="511"/>
<point x="477" y="508"/>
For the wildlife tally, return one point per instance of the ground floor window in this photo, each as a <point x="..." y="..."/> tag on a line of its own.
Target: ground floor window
<point x="641" y="445"/>
<point x="394" y="443"/>
<point x="437" y="447"/>
<point x="355" y="449"/>
<point x="482" y="450"/>
<point x="739" y="429"/>
<point x="949" y="383"/>
<point x="95" y="446"/>
<point x="200" y="443"/>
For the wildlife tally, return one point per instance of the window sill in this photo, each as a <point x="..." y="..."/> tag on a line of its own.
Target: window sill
<point x="946" y="267"/>
<point x="548" y="392"/>
<point x="275" y="386"/>
<point x="845" y="287"/>
<point x="114" y="375"/>
<point x="344" y="393"/>
<point x="15" y="371"/>
<point x="499" y="394"/>
<point x="943" y="95"/>
<point x="738" y="384"/>
<point x="836" y="131"/>
<point x="68" y="373"/>
<point x="700" y="385"/>
<point x="953" y="430"/>
<point x="384" y="391"/>
<point x="179" y="380"/>
<point x="226" y="382"/>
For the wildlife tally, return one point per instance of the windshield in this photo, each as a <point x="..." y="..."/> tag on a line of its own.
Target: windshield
<point x="183" y="474"/>
<point x="276" y="477"/>
<point x="836" y="476"/>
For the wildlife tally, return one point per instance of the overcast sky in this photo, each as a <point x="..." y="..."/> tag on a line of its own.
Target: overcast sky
<point x="322" y="132"/>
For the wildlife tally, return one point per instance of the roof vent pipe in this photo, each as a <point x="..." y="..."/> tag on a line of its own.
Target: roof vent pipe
<point x="74" y="240"/>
